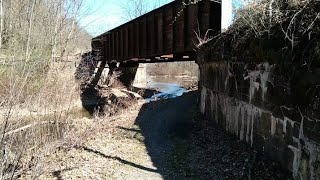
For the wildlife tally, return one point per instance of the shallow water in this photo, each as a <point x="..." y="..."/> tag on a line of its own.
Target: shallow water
<point x="167" y="90"/>
<point x="168" y="87"/>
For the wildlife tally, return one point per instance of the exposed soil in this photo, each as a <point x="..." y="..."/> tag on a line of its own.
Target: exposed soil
<point x="165" y="139"/>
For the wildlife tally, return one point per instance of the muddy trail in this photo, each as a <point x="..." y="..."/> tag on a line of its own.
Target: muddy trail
<point x="164" y="139"/>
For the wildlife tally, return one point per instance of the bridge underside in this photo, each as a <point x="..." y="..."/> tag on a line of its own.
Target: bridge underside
<point x="164" y="34"/>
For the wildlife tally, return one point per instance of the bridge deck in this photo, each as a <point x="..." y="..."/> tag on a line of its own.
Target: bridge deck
<point x="164" y="34"/>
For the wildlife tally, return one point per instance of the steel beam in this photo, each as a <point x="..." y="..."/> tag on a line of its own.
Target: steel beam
<point x="170" y="29"/>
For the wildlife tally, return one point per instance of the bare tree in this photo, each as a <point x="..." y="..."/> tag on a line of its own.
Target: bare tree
<point x="135" y="8"/>
<point x="32" y="32"/>
<point x="75" y="6"/>
<point x="57" y="14"/>
<point x="1" y="22"/>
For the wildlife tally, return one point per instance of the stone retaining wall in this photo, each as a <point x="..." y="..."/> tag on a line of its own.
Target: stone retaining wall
<point x="278" y="116"/>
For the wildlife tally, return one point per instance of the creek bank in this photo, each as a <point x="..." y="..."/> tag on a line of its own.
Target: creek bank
<point x="107" y="100"/>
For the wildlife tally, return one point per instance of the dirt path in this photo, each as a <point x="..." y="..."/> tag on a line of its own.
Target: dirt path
<point x="160" y="122"/>
<point x="164" y="139"/>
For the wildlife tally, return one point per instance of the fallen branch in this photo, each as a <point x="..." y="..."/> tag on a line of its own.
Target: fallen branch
<point x="27" y="127"/>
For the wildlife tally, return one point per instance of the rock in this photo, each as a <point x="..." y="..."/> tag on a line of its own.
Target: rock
<point x="132" y="94"/>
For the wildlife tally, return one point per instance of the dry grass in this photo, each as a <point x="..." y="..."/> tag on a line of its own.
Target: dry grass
<point x="38" y="122"/>
<point x="35" y="112"/>
<point x="105" y="151"/>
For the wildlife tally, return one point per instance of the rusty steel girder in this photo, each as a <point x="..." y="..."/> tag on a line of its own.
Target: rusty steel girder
<point x="164" y="34"/>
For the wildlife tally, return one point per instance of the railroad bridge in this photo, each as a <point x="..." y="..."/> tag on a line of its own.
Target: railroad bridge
<point x="166" y="34"/>
<point x="275" y="113"/>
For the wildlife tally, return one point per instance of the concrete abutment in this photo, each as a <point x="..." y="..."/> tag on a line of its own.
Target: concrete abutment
<point x="128" y="74"/>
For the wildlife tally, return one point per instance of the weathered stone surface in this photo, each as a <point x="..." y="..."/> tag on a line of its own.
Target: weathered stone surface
<point x="274" y="114"/>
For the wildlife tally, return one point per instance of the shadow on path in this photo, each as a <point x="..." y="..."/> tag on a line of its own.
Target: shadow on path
<point x="162" y="120"/>
<point x="58" y="174"/>
<point x="119" y="159"/>
<point x="129" y="129"/>
<point x="183" y="145"/>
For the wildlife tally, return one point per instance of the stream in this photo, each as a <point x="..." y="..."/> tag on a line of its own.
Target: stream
<point x="168" y="87"/>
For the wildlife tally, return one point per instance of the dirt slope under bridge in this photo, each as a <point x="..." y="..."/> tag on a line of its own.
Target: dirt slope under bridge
<point x="164" y="139"/>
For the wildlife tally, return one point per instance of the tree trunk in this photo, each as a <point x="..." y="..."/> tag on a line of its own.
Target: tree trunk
<point x="1" y="22"/>
<point x="68" y="38"/>
<point x="56" y="28"/>
<point x="77" y="6"/>
<point x="29" y="31"/>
